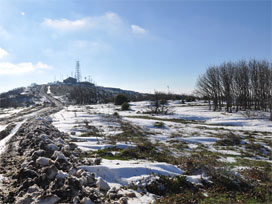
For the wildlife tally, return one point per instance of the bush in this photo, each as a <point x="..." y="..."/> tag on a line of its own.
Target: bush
<point x="229" y="140"/>
<point x="116" y="114"/>
<point x="125" y="106"/>
<point x="159" y="107"/>
<point x="120" y="99"/>
<point x="159" y="124"/>
<point x="165" y="185"/>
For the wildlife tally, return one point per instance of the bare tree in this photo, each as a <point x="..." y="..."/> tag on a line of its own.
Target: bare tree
<point x="159" y="104"/>
<point x="246" y="85"/>
<point x="226" y="78"/>
<point x="241" y="86"/>
<point x="203" y="89"/>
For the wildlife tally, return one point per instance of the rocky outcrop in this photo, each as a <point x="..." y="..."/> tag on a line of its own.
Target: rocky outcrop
<point x="47" y="170"/>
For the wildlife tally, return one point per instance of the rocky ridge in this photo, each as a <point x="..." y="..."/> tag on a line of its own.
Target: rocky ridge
<point x="41" y="167"/>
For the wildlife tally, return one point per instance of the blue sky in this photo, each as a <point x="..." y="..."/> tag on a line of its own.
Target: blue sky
<point x="136" y="45"/>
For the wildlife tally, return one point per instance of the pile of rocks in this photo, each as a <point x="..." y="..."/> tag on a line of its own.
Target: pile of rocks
<point x="49" y="170"/>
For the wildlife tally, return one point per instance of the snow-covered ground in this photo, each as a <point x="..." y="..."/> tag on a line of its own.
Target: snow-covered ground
<point x="7" y="112"/>
<point x="74" y="119"/>
<point x="191" y="128"/>
<point x="200" y="112"/>
<point x="118" y="172"/>
<point x="7" y="138"/>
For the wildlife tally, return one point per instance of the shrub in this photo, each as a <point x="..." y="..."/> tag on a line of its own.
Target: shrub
<point x="164" y="185"/>
<point x="116" y="114"/>
<point x="229" y="140"/>
<point x="120" y="99"/>
<point x="159" y="107"/>
<point x="258" y="174"/>
<point x="125" y="106"/>
<point x="225" y="180"/>
<point x="159" y="124"/>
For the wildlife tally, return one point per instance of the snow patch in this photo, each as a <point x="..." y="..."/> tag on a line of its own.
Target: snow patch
<point x="118" y="172"/>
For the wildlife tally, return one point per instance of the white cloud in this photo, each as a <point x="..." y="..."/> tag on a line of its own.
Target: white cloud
<point x="65" y="24"/>
<point x="107" y="20"/>
<point x="42" y="66"/>
<point x="3" y="53"/>
<point x="110" y="19"/>
<point x="110" y="22"/>
<point x="137" y="29"/>
<point x="7" y="68"/>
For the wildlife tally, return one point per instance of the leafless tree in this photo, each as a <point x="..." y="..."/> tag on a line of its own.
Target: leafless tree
<point x="226" y="77"/>
<point x="159" y="104"/>
<point x="244" y="84"/>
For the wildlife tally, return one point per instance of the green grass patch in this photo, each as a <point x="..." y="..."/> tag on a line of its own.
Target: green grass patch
<point x="144" y="150"/>
<point x="183" y="121"/>
<point x="130" y="133"/>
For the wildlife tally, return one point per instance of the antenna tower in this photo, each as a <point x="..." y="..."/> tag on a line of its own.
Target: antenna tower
<point x="77" y="73"/>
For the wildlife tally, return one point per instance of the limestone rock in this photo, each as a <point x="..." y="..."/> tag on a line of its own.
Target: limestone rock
<point x="86" y="200"/>
<point x="102" y="185"/>
<point x="123" y="200"/>
<point x="44" y="161"/>
<point x="24" y="200"/>
<point x="49" y="199"/>
<point x="59" y="156"/>
<point x="52" y="147"/>
<point x="51" y="172"/>
<point x="61" y="175"/>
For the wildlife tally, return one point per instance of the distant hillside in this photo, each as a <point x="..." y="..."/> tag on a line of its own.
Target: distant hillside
<point x="68" y="93"/>
<point x="20" y="97"/>
<point x="118" y="91"/>
<point x="87" y="93"/>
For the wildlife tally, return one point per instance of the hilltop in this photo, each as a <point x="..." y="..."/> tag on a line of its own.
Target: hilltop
<point x="67" y="93"/>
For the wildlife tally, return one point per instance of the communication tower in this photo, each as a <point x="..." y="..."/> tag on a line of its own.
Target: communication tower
<point x="77" y="72"/>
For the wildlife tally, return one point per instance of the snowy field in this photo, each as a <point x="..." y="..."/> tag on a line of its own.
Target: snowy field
<point x="7" y="112"/>
<point x="231" y="140"/>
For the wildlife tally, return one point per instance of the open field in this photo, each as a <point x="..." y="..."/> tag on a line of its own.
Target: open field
<point x="216" y="152"/>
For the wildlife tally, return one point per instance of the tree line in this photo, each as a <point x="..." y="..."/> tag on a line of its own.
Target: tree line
<point x="243" y="85"/>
